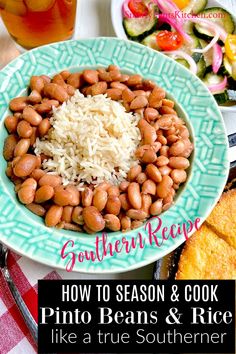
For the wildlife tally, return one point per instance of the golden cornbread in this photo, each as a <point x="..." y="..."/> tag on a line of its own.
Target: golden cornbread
<point x="206" y="256"/>
<point x="223" y="218"/>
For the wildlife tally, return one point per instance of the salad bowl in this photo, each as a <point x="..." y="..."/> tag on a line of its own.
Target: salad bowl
<point x="212" y="66"/>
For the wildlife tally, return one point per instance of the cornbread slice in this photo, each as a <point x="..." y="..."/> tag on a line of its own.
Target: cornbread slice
<point x="223" y="218"/>
<point x="206" y="256"/>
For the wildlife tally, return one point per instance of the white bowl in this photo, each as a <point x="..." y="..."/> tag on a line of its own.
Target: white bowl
<point x="117" y="19"/>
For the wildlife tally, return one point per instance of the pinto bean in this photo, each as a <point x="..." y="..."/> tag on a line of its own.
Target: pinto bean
<point x="135" y="80"/>
<point x="71" y="227"/>
<point x="77" y="216"/>
<point x="164" y="187"/>
<point x="47" y="106"/>
<point x="125" y="204"/>
<point x="136" y="214"/>
<point x="75" y="195"/>
<point x="67" y="214"/>
<point x="149" y="156"/>
<point x="99" y="88"/>
<point x="156" y="207"/>
<point x="125" y="223"/>
<point x="141" y="178"/>
<point x="178" y="176"/>
<point x="165" y="122"/>
<point x="18" y="104"/>
<point x="168" y="103"/>
<point x="134" y="172"/>
<point x="22" y="147"/>
<point x="9" y="147"/>
<point x="149" y="187"/>
<point x="44" y="127"/>
<point x="62" y="197"/>
<point x="162" y="161"/>
<point x="165" y="170"/>
<point x="75" y="80"/>
<point x="118" y="85"/>
<point x="113" y="191"/>
<point x="90" y="76"/>
<point x="134" y="195"/>
<point x="26" y="195"/>
<point x="24" y="129"/>
<point x="30" y="182"/>
<point x="156" y="97"/>
<point x="113" y="205"/>
<point x="56" y="92"/>
<point x="127" y="95"/>
<point x="104" y="75"/>
<point x="164" y="151"/>
<point x="11" y="123"/>
<point x="37" y="174"/>
<point x="37" y="84"/>
<point x="153" y="173"/>
<point x="53" y="215"/>
<point x="25" y="165"/>
<point x="124" y="78"/>
<point x="177" y="148"/>
<point x="58" y="79"/>
<point x="31" y="116"/>
<point x="188" y="148"/>
<point x="135" y="224"/>
<point x="50" y="180"/>
<point x="36" y="209"/>
<point x="124" y="186"/>
<point x="139" y="102"/>
<point x="93" y="219"/>
<point x="167" y="110"/>
<point x="87" y="197"/>
<point x="179" y="163"/>
<point x="43" y="194"/>
<point x="114" y="94"/>
<point x="151" y="114"/>
<point x="100" y="199"/>
<point x="112" y="222"/>
<point x="103" y="186"/>
<point x="34" y="97"/>
<point x="146" y="202"/>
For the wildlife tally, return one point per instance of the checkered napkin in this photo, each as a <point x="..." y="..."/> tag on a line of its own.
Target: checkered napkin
<point x="14" y="335"/>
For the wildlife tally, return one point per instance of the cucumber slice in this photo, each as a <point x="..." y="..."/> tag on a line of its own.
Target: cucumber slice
<point x="150" y="41"/>
<point x="222" y="98"/>
<point x="229" y="67"/>
<point x="217" y="15"/>
<point x="201" y="67"/>
<point x="208" y="56"/>
<point x="195" y="44"/>
<point x="139" y="28"/>
<point x="195" y="6"/>
<point x="183" y="62"/>
<point x="212" y="79"/>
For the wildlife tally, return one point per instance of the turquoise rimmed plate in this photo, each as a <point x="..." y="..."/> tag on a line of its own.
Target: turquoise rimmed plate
<point x="26" y="233"/>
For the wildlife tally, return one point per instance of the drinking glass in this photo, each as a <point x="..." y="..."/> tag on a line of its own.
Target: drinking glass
<point x="32" y="23"/>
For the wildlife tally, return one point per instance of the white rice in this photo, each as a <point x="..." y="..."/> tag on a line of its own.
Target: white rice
<point x="92" y="139"/>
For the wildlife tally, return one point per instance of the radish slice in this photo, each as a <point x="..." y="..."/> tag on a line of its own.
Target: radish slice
<point x="175" y="25"/>
<point x="218" y="87"/>
<point x="217" y="58"/>
<point x="181" y="54"/>
<point x="127" y="13"/>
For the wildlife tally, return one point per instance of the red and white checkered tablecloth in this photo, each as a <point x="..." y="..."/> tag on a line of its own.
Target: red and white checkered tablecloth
<point x="14" y="335"/>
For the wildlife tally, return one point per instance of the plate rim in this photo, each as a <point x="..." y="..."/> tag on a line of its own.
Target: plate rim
<point x="141" y="263"/>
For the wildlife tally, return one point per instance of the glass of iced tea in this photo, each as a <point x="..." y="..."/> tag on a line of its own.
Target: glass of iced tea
<point x="32" y="23"/>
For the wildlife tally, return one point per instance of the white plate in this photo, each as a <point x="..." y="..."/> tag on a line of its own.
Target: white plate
<point x="117" y="18"/>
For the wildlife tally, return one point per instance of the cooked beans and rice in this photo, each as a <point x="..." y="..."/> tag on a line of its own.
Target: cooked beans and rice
<point x="96" y="150"/>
